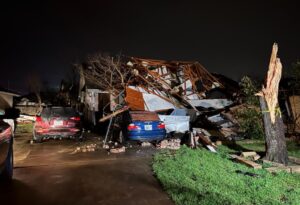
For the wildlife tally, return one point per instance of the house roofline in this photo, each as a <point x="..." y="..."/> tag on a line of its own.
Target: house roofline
<point x="9" y="93"/>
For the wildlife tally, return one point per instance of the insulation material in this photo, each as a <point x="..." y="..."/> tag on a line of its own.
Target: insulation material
<point x="155" y="103"/>
<point x="177" y="121"/>
<point x="134" y="99"/>
<point x="211" y="103"/>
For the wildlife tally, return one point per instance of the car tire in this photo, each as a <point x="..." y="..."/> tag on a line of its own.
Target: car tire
<point x="7" y="172"/>
<point x="80" y="137"/>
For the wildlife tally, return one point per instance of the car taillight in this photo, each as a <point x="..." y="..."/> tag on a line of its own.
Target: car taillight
<point x="38" y="119"/>
<point x="75" y="118"/>
<point x="6" y="133"/>
<point x="133" y="127"/>
<point x="161" y="125"/>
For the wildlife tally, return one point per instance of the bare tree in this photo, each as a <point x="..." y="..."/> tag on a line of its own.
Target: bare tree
<point x="107" y="72"/>
<point x="35" y="86"/>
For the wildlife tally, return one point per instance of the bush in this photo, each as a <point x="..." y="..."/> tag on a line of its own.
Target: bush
<point x="250" y="118"/>
<point x="249" y="89"/>
<point x="251" y="124"/>
<point x="202" y="177"/>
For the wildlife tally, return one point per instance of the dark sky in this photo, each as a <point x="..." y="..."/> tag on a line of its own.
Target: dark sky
<point x="229" y="37"/>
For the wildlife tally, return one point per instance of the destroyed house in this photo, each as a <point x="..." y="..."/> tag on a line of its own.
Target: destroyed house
<point x="110" y="86"/>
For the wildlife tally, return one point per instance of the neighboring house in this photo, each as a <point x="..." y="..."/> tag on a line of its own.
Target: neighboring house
<point x="7" y="98"/>
<point x="7" y="102"/>
<point x="28" y="107"/>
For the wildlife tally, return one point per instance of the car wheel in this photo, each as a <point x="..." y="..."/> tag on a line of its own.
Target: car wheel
<point x="7" y="173"/>
<point x="79" y="138"/>
<point x="37" y="138"/>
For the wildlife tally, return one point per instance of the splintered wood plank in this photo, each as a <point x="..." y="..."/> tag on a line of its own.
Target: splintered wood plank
<point x="295" y="160"/>
<point x="113" y="114"/>
<point x="246" y="162"/>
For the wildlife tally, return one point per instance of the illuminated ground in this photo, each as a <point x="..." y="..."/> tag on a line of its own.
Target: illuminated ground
<point x="51" y="173"/>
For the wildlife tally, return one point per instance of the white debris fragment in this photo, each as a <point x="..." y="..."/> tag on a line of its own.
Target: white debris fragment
<point x="146" y="144"/>
<point x="117" y="150"/>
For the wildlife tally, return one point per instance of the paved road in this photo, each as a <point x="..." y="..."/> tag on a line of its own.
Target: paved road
<point x="51" y="173"/>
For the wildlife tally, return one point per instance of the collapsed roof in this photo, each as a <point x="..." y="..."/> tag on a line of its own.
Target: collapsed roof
<point x="180" y="83"/>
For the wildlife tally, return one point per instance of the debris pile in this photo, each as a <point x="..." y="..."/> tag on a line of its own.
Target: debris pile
<point x="150" y="84"/>
<point x="117" y="150"/>
<point x="179" y="91"/>
<point x="86" y="148"/>
<point x="169" y="144"/>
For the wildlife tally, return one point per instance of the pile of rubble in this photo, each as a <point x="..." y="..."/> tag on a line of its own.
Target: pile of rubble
<point x="173" y="144"/>
<point x="86" y="148"/>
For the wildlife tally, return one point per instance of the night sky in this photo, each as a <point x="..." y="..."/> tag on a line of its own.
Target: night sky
<point x="233" y="38"/>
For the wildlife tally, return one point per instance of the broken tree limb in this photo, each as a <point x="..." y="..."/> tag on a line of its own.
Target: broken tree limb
<point x="114" y="114"/>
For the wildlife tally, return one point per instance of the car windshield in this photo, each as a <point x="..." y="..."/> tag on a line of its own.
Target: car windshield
<point x="58" y="111"/>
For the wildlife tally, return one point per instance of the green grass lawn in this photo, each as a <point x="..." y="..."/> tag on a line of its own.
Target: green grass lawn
<point x="259" y="146"/>
<point x="202" y="177"/>
<point x="24" y="128"/>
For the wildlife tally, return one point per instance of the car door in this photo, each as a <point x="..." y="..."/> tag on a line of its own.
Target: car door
<point x="5" y="135"/>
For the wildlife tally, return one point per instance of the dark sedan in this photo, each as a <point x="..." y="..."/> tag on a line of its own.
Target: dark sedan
<point x="6" y="151"/>
<point x="57" y="122"/>
<point x="140" y="126"/>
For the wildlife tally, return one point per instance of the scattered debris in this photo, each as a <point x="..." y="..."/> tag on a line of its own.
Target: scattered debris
<point x="146" y="144"/>
<point x="228" y="132"/>
<point x="169" y="144"/>
<point x="117" y="150"/>
<point x="218" y="142"/>
<point x="247" y="162"/>
<point x="86" y="148"/>
<point x="250" y="155"/>
<point x="105" y="146"/>
<point x="276" y="167"/>
<point x="294" y="160"/>
<point x="201" y="135"/>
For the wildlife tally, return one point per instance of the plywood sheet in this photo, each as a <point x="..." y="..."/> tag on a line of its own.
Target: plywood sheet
<point x="134" y="99"/>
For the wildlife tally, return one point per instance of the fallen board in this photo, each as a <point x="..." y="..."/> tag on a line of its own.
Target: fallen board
<point x="113" y="114"/>
<point x="246" y="162"/>
<point x="295" y="160"/>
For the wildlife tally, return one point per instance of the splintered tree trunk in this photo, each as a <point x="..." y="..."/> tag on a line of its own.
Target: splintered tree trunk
<point x="274" y="131"/>
<point x="275" y="139"/>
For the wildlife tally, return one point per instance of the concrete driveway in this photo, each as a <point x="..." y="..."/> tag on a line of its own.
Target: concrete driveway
<point x="52" y="173"/>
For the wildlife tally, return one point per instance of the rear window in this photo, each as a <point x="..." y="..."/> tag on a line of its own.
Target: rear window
<point x="58" y="111"/>
<point x="144" y="116"/>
